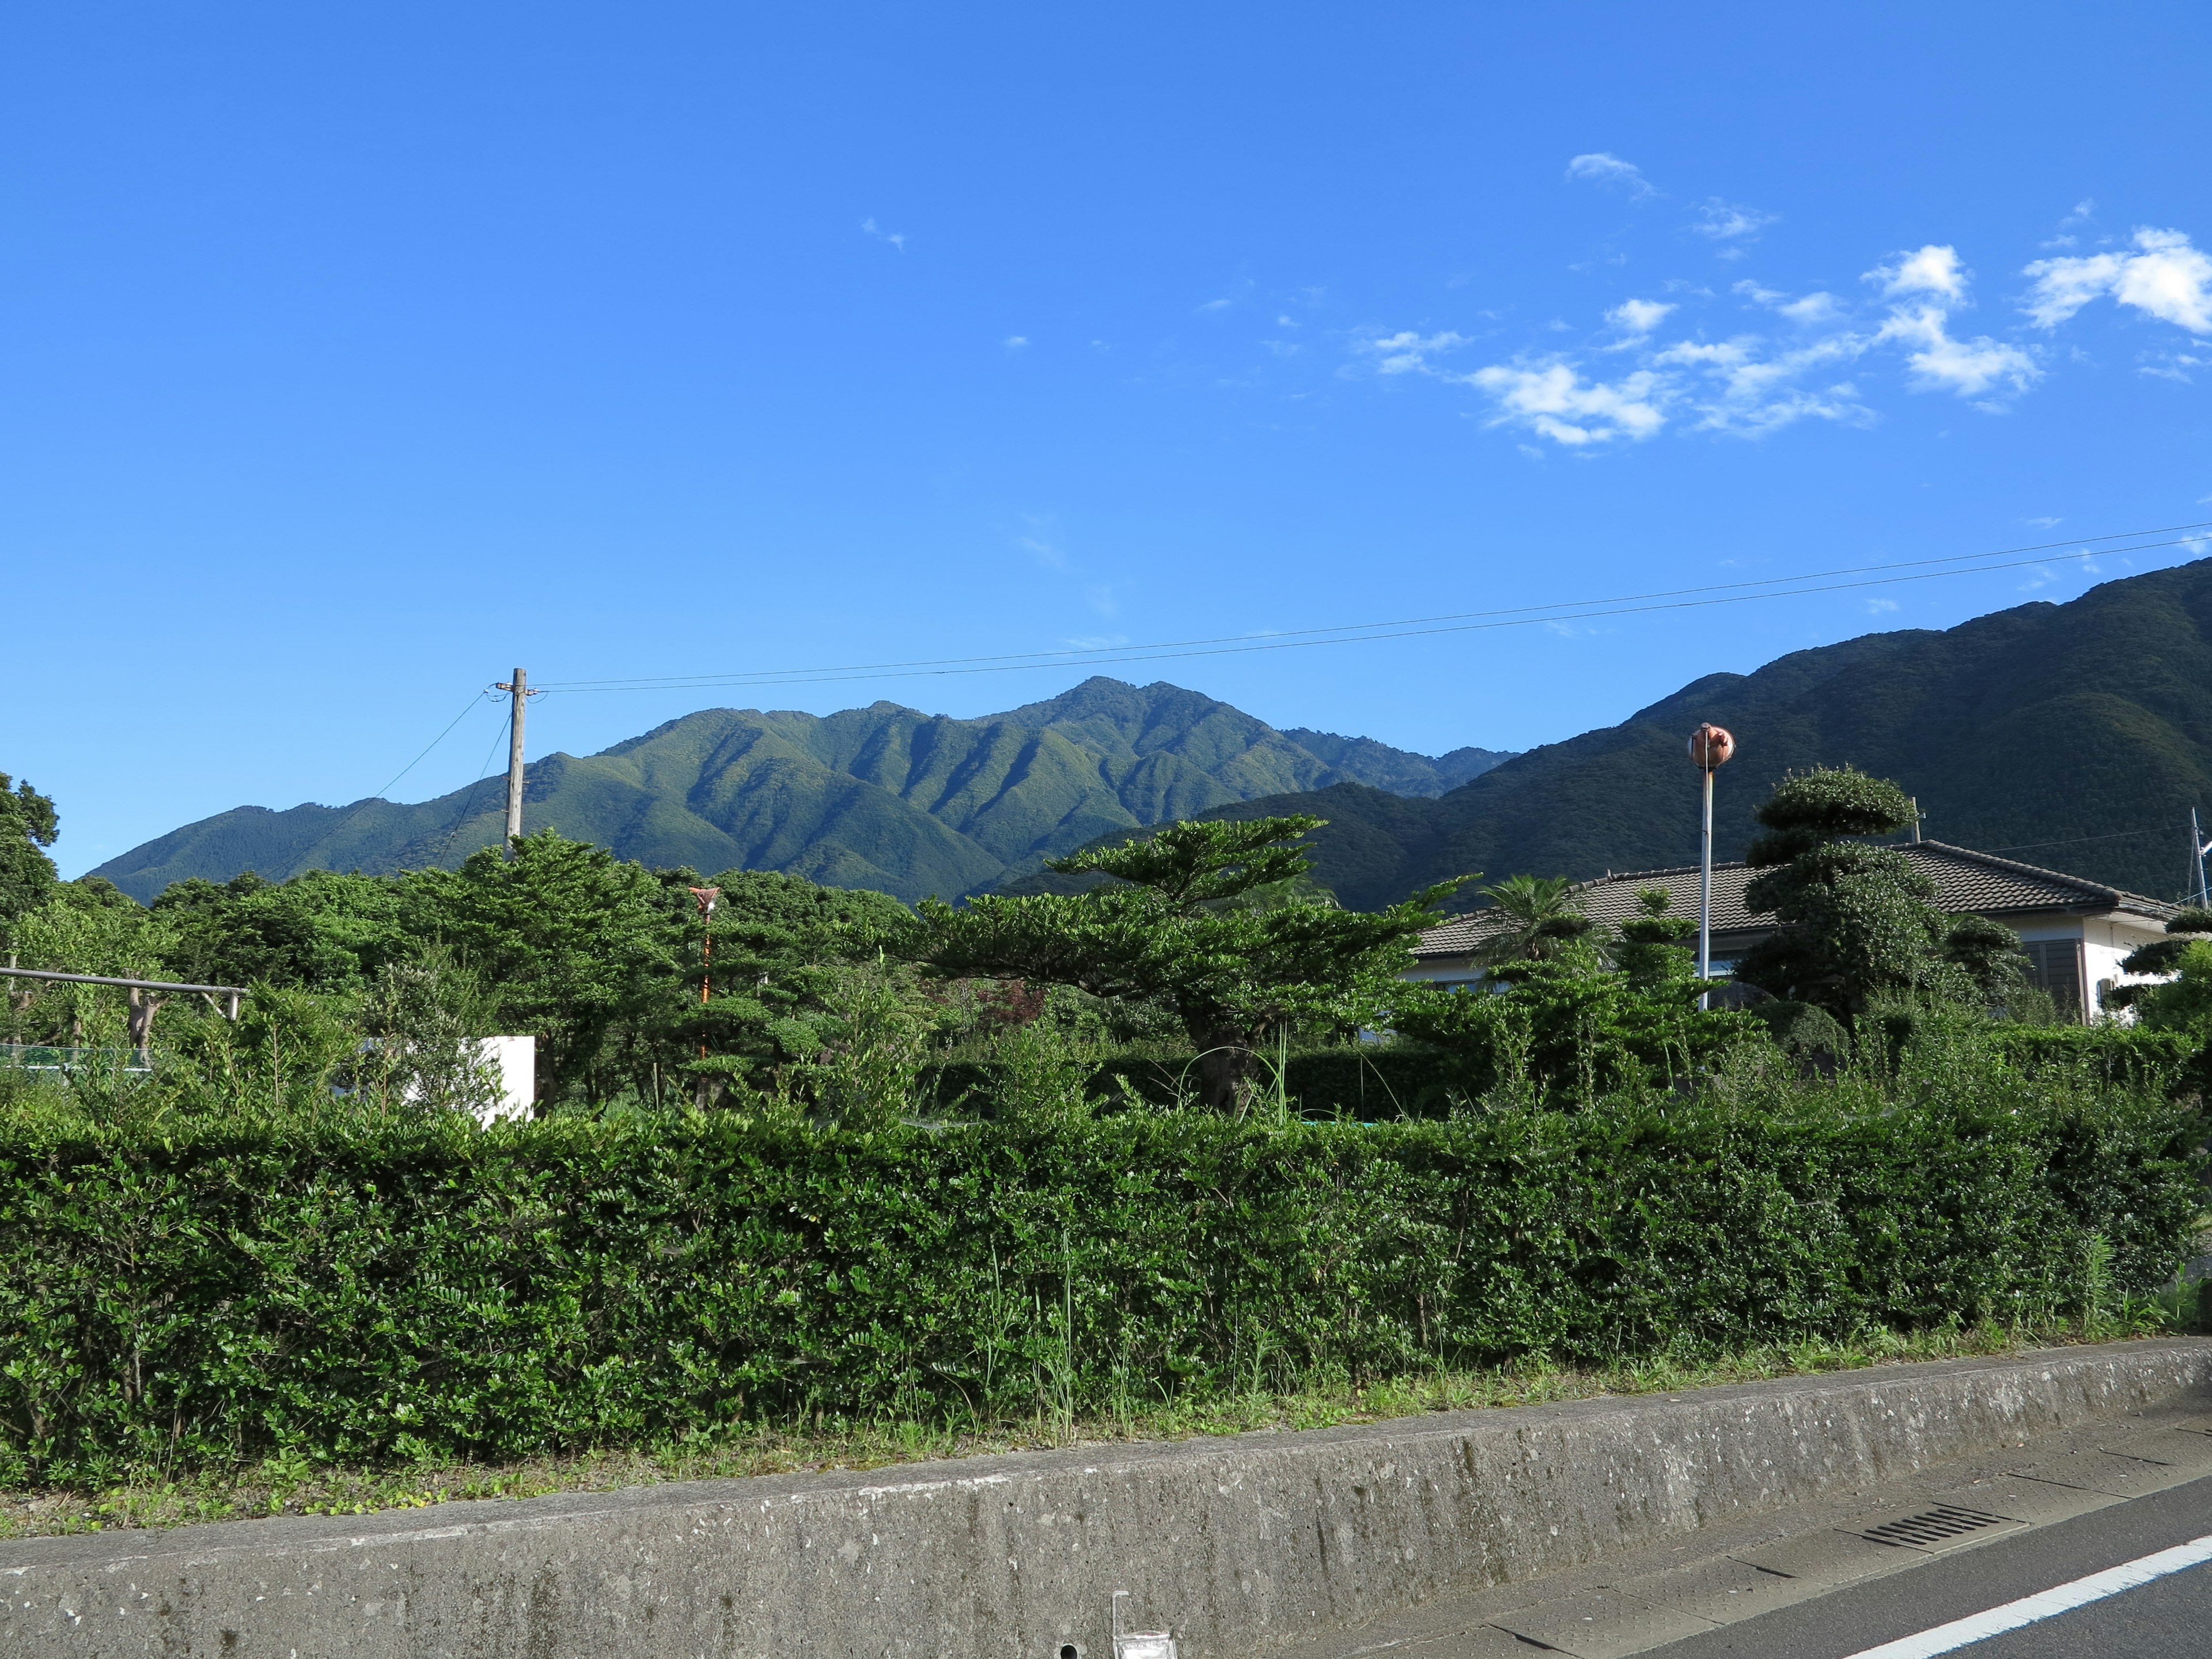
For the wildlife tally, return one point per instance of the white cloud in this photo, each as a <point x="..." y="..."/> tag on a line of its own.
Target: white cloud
<point x="1878" y="607"/>
<point x="1933" y="270"/>
<point x="1814" y="308"/>
<point x="1639" y="316"/>
<point x="896" y="239"/>
<point x="1972" y="368"/>
<point x="1408" y="351"/>
<point x="1016" y="342"/>
<point x="2043" y="524"/>
<point x="2166" y="277"/>
<point x="1747" y="384"/>
<point x="1729" y="221"/>
<point x="1601" y="167"/>
<point x="1554" y="399"/>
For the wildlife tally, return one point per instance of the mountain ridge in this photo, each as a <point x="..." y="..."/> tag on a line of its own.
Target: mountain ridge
<point x="2075" y="736"/>
<point x="885" y="797"/>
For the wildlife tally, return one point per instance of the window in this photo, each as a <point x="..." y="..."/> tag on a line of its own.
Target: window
<point x="2055" y="965"/>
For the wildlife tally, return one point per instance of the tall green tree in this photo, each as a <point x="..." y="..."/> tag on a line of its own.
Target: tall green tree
<point x="319" y="931"/>
<point x="28" y="825"/>
<point x="1172" y="929"/>
<point x="782" y="949"/>
<point x="567" y="940"/>
<point x="1858" y="920"/>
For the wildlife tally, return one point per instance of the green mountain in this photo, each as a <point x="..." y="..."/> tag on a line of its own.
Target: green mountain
<point x="883" y="797"/>
<point x="2075" y="735"/>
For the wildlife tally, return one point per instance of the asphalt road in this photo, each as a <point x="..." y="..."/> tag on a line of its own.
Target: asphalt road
<point x="2170" y="1619"/>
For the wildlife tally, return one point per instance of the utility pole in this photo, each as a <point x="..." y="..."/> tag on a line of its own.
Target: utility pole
<point x="704" y="897"/>
<point x="519" y="689"/>
<point x="2198" y="847"/>
<point x="1709" y="748"/>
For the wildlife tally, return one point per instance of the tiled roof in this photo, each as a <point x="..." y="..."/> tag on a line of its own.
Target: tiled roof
<point x="1964" y="880"/>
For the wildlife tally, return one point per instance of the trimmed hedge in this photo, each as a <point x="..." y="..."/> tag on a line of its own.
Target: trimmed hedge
<point x="1364" y="1084"/>
<point x="1370" y="1085"/>
<point x="435" y="1291"/>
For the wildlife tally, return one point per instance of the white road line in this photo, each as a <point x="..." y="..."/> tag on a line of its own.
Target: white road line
<point x="2045" y="1603"/>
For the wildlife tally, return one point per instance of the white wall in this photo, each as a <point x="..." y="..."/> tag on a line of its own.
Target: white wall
<point x="515" y="1058"/>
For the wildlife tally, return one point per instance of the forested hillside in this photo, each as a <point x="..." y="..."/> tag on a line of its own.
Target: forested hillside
<point x="884" y="796"/>
<point x="2077" y="735"/>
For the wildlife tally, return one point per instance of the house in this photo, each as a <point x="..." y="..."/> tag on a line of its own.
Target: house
<point x="2075" y="931"/>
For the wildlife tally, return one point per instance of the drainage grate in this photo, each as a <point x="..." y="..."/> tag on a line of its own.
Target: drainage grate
<point x="1931" y="1526"/>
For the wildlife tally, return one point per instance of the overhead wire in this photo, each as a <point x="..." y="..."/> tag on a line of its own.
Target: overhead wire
<point x="378" y="794"/>
<point x="1406" y="627"/>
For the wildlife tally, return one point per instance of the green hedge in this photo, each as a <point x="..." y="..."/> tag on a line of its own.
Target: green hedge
<point x="1364" y="1084"/>
<point x="405" y="1292"/>
<point x="1370" y="1085"/>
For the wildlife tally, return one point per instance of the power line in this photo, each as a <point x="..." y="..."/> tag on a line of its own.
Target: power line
<point x="1407" y="628"/>
<point x="368" y="800"/>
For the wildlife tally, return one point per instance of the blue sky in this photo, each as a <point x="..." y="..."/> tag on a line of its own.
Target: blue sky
<point x="352" y="354"/>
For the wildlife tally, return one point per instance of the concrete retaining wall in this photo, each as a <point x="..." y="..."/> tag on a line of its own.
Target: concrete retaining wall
<point x="1239" y="1545"/>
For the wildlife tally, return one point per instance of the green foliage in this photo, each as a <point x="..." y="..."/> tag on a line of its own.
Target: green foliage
<point x="28" y="823"/>
<point x="1857" y="921"/>
<point x="421" y="1020"/>
<point x="318" y="931"/>
<point x="1540" y="919"/>
<point x="1173" y="929"/>
<point x="84" y="927"/>
<point x="566" y="938"/>
<point x="372" y="1292"/>
<point x="1827" y="803"/>
<point x="782" y="948"/>
<point x="1564" y="1031"/>
<point x="1650" y="952"/>
<point x="2183" y="1005"/>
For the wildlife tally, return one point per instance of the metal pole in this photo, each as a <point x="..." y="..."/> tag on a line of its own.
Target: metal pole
<point x="2196" y="846"/>
<point x="1705" y="894"/>
<point x="520" y="688"/>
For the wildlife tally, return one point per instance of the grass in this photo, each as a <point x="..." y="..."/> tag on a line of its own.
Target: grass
<point x="294" y="1485"/>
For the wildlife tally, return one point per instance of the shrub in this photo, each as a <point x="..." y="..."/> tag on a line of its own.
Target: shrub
<point x="412" y="1287"/>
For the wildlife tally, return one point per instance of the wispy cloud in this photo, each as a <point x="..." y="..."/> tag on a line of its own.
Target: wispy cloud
<point x="1016" y="342"/>
<point x="1730" y="223"/>
<point x="1554" y="399"/>
<point x="896" y="239"/>
<point x="1407" y="351"/>
<point x="1602" y="167"/>
<point x="1880" y="607"/>
<point x="1929" y="283"/>
<point x="1808" y="356"/>
<point x="2165" y="277"/>
<point x="2043" y="524"/>
<point x="1973" y="368"/>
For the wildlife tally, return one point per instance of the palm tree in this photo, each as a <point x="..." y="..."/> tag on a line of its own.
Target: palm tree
<point x="1540" y="917"/>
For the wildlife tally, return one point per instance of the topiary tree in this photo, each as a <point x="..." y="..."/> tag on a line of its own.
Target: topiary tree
<point x="1858" y="920"/>
<point x="2185" y="1003"/>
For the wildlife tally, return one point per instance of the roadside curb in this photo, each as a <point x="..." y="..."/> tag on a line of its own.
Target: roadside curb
<point x="1240" y="1545"/>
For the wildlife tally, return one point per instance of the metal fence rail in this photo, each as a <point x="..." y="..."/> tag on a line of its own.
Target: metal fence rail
<point x="45" y="1057"/>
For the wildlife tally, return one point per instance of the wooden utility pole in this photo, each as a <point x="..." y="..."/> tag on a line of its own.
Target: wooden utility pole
<point x="519" y="690"/>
